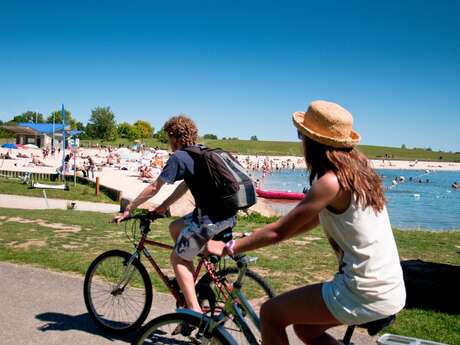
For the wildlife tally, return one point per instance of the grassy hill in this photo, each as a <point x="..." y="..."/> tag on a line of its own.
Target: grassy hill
<point x="279" y="148"/>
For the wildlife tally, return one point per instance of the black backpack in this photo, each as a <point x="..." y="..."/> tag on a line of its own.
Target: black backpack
<point x="222" y="177"/>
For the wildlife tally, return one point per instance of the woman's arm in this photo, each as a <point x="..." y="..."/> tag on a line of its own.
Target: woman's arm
<point x="302" y="218"/>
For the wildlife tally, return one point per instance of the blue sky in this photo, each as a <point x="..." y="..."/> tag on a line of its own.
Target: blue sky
<point x="240" y="68"/>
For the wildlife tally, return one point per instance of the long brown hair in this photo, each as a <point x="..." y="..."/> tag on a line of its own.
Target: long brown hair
<point x="351" y="168"/>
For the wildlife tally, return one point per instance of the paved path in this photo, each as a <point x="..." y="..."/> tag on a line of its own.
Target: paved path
<point x="44" y="307"/>
<point x="34" y="203"/>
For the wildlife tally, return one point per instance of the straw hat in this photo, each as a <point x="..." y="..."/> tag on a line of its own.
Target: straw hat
<point x="327" y="123"/>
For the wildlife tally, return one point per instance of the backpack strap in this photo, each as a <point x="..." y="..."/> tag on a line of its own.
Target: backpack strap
<point x="197" y="149"/>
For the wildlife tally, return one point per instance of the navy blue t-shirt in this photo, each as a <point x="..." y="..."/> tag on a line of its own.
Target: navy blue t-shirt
<point x="177" y="167"/>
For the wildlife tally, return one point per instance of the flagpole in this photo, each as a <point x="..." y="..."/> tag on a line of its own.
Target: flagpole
<point x="63" y="141"/>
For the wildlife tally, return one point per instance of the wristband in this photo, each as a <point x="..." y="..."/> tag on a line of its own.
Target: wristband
<point x="230" y="247"/>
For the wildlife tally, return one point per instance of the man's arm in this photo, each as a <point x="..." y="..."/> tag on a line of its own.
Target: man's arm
<point x="176" y="195"/>
<point x="150" y="191"/>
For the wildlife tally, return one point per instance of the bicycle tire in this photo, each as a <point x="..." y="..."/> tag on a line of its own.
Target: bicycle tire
<point x="148" y="330"/>
<point x="113" y="325"/>
<point x="254" y="287"/>
<point x="265" y="290"/>
<point x="256" y="277"/>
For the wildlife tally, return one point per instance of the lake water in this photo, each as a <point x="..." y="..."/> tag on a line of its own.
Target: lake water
<point x="430" y="205"/>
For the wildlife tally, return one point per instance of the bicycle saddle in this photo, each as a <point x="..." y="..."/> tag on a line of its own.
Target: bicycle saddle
<point x="376" y="326"/>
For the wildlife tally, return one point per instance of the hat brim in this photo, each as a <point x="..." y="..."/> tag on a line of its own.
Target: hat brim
<point x="351" y="141"/>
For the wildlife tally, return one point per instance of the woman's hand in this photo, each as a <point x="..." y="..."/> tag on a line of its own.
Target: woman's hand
<point x="215" y="248"/>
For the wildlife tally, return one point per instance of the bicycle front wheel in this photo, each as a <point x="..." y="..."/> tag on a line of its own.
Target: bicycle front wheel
<point x="118" y="293"/>
<point x="180" y="328"/>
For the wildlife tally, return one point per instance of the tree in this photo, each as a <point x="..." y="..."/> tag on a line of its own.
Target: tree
<point x="254" y="138"/>
<point x="29" y="116"/>
<point x="3" y="132"/>
<point x="210" y="136"/>
<point x="79" y="126"/>
<point x="69" y="120"/>
<point x="102" y="124"/>
<point x="124" y="129"/>
<point x="144" y="128"/>
<point x="134" y="133"/>
<point x="161" y="136"/>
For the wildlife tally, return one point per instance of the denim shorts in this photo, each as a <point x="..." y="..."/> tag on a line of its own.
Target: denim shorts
<point x="194" y="236"/>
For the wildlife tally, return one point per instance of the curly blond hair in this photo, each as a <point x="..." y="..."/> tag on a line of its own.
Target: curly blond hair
<point x="183" y="129"/>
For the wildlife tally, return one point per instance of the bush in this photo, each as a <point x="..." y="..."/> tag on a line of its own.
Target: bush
<point x="210" y="136"/>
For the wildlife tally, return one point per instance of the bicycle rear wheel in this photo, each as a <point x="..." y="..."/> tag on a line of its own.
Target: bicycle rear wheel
<point x="118" y="294"/>
<point x="179" y="329"/>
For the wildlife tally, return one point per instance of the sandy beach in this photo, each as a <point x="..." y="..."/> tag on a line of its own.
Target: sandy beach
<point x="123" y="174"/>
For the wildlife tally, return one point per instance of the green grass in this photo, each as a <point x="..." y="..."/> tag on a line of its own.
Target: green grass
<point x="278" y="148"/>
<point x="299" y="261"/>
<point x="78" y="192"/>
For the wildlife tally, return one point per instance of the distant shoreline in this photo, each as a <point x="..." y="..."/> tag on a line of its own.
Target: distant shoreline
<point x="398" y="164"/>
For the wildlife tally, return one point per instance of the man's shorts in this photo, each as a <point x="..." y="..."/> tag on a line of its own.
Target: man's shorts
<point x="194" y="236"/>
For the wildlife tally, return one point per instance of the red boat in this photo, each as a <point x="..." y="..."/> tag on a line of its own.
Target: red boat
<point x="278" y="194"/>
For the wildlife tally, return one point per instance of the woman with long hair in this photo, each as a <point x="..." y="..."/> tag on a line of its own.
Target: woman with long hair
<point x="346" y="197"/>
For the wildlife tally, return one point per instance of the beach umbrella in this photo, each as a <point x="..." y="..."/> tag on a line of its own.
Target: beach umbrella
<point x="9" y="146"/>
<point x="31" y="146"/>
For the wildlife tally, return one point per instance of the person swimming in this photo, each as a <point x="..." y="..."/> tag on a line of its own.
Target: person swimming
<point x="455" y="185"/>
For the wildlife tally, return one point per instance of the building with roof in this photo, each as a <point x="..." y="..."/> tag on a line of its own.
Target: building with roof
<point x="40" y="134"/>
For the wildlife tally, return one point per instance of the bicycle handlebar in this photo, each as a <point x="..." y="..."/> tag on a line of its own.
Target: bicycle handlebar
<point x="150" y="216"/>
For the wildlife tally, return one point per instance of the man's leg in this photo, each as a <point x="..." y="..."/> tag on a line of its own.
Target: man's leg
<point x="184" y="275"/>
<point x="176" y="227"/>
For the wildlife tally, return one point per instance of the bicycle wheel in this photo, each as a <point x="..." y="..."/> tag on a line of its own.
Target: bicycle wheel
<point x="118" y="295"/>
<point x="255" y="288"/>
<point x="179" y="329"/>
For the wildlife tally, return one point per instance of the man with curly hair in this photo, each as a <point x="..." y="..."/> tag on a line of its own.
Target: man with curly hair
<point x="192" y="231"/>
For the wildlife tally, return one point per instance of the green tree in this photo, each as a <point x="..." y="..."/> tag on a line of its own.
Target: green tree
<point x="403" y="146"/>
<point x="102" y="124"/>
<point x="210" y="136"/>
<point x="79" y="126"/>
<point x="29" y="116"/>
<point x="254" y="138"/>
<point x="144" y="128"/>
<point x="123" y="129"/>
<point x="69" y="120"/>
<point x="134" y="133"/>
<point x="161" y="136"/>
<point x="3" y="132"/>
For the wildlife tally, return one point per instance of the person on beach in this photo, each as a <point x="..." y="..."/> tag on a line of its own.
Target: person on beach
<point x="190" y="232"/>
<point x="90" y="166"/>
<point x="346" y="197"/>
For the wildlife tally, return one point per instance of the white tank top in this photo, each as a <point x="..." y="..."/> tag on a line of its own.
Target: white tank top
<point x="368" y="256"/>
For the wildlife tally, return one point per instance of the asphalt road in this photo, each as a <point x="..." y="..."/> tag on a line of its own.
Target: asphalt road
<point x="43" y="307"/>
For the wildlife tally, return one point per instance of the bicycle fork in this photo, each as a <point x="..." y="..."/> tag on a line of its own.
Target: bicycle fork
<point x="128" y="274"/>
